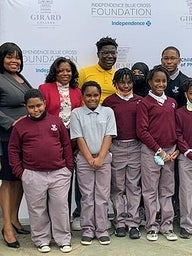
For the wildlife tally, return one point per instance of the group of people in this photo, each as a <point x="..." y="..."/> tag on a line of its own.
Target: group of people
<point x="126" y="133"/>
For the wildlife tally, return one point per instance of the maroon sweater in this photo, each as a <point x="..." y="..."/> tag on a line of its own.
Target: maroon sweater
<point x="125" y="114"/>
<point x="183" y="130"/>
<point x="156" y="126"/>
<point x="40" y="145"/>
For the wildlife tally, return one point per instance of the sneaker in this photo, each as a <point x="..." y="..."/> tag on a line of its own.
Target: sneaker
<point x="104" y="240"/>
<point x="44" y="248"/>
<point x="170" y="235"/>
<point x="76" y="224"/>
<point x="120" y="232"/>
<point x="134" y="233"/>
<point x="65" y="248"/>
<point x="86" y="240"/>
<point x="184" y="234"/>
<point x="152" y="235"/>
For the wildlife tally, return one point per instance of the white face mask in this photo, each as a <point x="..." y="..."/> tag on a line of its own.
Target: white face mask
<point x="189" y="105"/>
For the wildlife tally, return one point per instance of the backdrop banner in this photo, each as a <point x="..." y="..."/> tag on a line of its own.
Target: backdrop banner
<point x="46" y="29"/>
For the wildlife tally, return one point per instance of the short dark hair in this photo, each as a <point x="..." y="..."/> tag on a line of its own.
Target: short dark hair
<point x="9" y="48"/>
<point x="33" y="93"/>
<point x="187" y="84"/>
<point x="90" y="83"/>
<point x="171" y="48"/>
<point x="106" y="41"/>
<point x="155" y="69"/>
<point x="120" y="73"/>
<point x="53" y="71"/>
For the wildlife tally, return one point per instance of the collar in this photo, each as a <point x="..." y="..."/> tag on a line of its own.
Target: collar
<point x="172" y="77"/>
<point x="89" y="111"/>
<point x="39" y="118"/>
<point x="125" y="97"/>
<point x="62" y="85"/>
<point x="100" y="69"/>
<point x="160" y="99"/>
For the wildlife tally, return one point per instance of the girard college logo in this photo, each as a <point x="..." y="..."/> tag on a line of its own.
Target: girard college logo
<point x="189" y="3"/>
<point x="186" y="18"/>
<point x="46" y="16"/>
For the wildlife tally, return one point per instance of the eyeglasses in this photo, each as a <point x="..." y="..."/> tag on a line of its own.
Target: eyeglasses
<point x="170" y="58"/>
<point x="107" y="53"/>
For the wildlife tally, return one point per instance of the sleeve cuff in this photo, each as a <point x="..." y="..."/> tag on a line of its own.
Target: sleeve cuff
<point x="187" y="152"/>
<point x="158" y="151"/>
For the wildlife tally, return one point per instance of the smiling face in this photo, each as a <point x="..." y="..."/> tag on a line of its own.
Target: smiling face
<point x="107" y="56"/>
<point x="170" y="60"/>
<point x="124" y="86"/>
<point x="64" y="74"/>
<point x="158" y="83"/>
<point x="35" y="107"/>
<point x="91" y="97"/>
<point x="12" y="62"/>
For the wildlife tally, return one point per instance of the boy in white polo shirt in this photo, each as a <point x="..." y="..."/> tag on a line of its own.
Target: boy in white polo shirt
<point x="93" y="126"/>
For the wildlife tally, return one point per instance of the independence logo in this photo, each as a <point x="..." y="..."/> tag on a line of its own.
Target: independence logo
<point x="131" y="23"/>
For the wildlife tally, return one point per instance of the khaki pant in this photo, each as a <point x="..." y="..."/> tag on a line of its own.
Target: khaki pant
<point x="185" y="192"/>
<point x="157" y="184"/>
<point x="125" y="180"/>
<point x="47" y="199"/>
<point x="95" y="190"/>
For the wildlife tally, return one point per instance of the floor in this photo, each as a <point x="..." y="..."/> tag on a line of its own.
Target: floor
<point x="118" y="247"/>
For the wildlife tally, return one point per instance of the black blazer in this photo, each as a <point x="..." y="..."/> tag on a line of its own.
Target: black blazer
<point x="11" y="101"/>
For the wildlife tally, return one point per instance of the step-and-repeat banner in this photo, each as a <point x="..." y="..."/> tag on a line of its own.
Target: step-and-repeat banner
<point x="46" y="29"/>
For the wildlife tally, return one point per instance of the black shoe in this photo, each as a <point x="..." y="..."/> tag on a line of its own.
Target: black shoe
<point x="86" y="240"/>
<point x="120" y="232"/>
<point x="21" y="231"/>
<point x="134" y="233"/>
<point x="13" y="244"/>
<point x="104" y="240"/>
<point x="184" y="234"/>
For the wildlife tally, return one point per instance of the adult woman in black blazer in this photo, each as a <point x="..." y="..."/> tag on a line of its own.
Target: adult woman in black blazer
<point x="12" y="89"/>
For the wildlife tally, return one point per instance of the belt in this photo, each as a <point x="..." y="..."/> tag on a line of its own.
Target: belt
<point x="124" y="143"/>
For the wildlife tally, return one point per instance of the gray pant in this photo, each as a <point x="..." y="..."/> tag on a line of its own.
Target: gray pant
<point x="95" y="190"/>
<point x="125" y="181"/>
<point x="185" y="192"/>
<point x="47" y="200"/>
<point x="157" y="184"/>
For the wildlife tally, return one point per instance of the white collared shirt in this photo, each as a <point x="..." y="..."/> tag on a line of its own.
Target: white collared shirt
<point x="172" y="77"/>
<point x="128" y="97"/>
<point x="160" y="99"/>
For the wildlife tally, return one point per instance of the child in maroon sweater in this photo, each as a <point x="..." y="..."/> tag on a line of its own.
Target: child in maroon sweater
<point x="126" y="151"/>
<point x="184" y="128"/>
<point x="156" y="130"/>
<point x="40" y="153"/>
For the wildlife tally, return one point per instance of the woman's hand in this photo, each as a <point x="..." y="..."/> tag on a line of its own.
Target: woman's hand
<point x="14" y="123"/>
